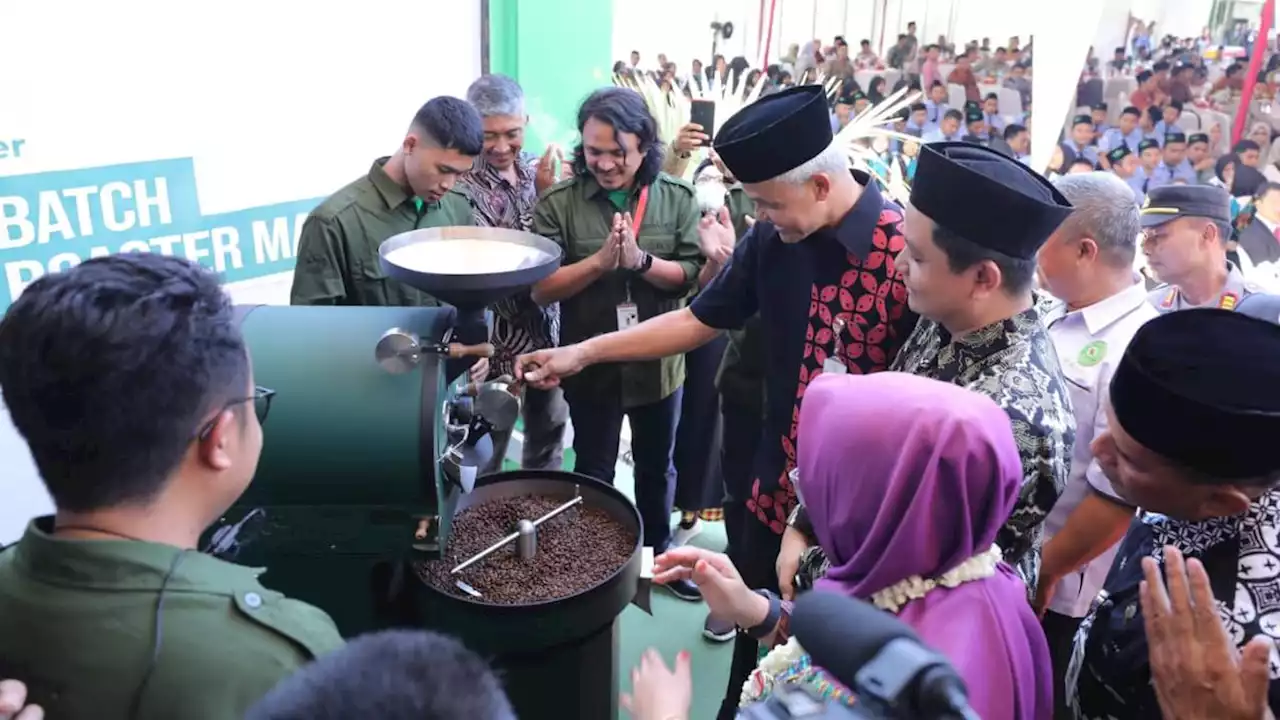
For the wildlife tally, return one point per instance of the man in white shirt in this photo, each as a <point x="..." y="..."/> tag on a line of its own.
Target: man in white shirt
<point x="1099" y="303"/>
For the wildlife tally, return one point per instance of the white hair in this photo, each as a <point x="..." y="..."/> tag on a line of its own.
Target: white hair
<point x="496" y="96"/>
<point x="1106" y="210"/>
<point x="832" y="161"/>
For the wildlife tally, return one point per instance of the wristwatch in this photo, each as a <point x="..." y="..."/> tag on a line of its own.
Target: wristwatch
<point x="646" y="264"/>
<point x="770" y="623"/>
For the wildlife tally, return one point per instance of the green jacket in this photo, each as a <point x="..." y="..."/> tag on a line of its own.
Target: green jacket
<point x="578" y="215"/>
<point x="337" y="262"/>
<point x="95" y="626"/>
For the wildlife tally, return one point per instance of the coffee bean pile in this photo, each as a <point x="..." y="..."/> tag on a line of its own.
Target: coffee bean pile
<point x="577" y="549"/>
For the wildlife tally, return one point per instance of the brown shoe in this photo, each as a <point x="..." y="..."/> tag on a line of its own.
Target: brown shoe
<point x="717" y="629"/>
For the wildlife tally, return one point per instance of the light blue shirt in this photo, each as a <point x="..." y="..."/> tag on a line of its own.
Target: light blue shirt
<point x="1137" y="182"/>
<point x="1164" y="175"/>
<point x="935" y="135"/>
<point x="995" y="121"/>
<point x="935" y="112"/>
<point x="1114" y="138"/>
<point x="1088" y="152"/>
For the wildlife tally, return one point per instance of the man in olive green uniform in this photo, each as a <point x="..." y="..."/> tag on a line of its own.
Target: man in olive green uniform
<point x="414" y="188"/>
<point x="1186" y="230"/>
<point x="129" y="379"/>
<point x="630" y="238"/>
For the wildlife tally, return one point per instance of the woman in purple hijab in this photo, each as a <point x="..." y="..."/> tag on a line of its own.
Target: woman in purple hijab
<point x="907" y="481"/>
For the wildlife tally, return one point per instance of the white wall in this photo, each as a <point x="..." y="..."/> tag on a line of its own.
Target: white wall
<point x="246" y="113"/>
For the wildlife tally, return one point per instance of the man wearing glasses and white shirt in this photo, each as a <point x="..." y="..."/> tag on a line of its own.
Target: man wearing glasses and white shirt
<point x="1099" y="303"/>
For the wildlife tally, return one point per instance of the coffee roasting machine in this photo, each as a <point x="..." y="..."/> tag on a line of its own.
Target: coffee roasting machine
<point x="372" y="446"/>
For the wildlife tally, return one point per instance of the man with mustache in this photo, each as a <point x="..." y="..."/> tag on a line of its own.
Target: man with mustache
<point x="630" y="239"/>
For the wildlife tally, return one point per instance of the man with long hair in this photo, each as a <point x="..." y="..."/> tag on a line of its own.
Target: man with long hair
<point x="630" y="239"/>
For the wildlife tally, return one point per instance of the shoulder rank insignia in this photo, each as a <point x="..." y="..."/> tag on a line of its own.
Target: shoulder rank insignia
<point x="1228" y="301"/>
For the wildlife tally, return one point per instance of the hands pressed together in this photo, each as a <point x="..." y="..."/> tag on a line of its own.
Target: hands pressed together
<point x="620" y="250"/>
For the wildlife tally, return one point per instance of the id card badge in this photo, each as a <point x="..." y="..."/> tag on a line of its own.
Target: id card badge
<point x="628" y="316"/>
<point x="832" y="366"/>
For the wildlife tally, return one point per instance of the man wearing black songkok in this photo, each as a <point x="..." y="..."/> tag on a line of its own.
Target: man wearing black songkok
<point x="1192" y="442"/>
<point x="819" y="268"/>
<point x="973" y="226"/>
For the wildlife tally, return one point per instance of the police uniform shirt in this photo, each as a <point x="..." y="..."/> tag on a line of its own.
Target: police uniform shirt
<point x="1090" y="342"/>
<point x="1171" y="202"/>
<point x="1170" y="298"/>
<point x="79" y="621"/>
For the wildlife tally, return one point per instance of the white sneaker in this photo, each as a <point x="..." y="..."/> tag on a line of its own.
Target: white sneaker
<point x="682" y="535"/>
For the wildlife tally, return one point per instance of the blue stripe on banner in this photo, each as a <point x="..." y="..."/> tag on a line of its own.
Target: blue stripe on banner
<point x="54" y="220"/>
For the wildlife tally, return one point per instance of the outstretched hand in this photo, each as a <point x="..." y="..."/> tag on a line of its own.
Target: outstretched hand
<point x="543" y="369"/>
<point x="1197" y="671"/>
<point x="727" y="595"/>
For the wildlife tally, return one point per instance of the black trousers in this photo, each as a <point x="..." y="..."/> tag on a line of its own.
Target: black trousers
<point x="597" y="429"/>
<point x="753" y="547"/>
<point x="545" y="415"/>
<point x="1060" y="631"/>
<point x="699" y="481"/>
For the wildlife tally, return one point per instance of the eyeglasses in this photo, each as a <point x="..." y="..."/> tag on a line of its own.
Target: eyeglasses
<point x="261" y="399"/>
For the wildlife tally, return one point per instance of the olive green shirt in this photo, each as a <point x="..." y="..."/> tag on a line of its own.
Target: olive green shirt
<point x="578" y="215"/>
<point x="80" y="621"/>
<point x="337" y="261"/>
<point x="742" y="372"/>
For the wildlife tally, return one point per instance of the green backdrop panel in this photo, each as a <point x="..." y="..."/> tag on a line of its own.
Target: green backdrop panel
<point x="559" y="51"/>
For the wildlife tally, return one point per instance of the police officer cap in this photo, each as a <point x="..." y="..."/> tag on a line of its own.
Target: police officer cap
<point x="1146" y="144"/>
<point x="1119" y="153"/>
<point x="1174" y="136"/>
<point x="974" y="114"/>
<point x="1082" y="120"/>
<point x="987" y="198"/>
<point x="1177" y="393"/>
<point x="1171" y="202"/>
<point x="775" y="134"/>
<point x="1194" y="138"/>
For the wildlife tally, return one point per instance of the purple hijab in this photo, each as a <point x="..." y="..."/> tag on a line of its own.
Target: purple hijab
<point x="907" y="476"/>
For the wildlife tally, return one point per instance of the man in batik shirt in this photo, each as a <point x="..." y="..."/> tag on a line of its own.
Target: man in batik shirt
<point x="973" y="226"/>
<point x="503" y="186"/>
<point x="1192" y="442"/>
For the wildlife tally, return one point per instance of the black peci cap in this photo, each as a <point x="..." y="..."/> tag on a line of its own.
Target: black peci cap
<point x="1171" y="202"/>
<point x="775" y="134"/>
<point x="1174" y="136"/>
<point x="960" y="186"/>
<point x="1081" y="120"/>
<point x="974" y="114"/>
<point x="1117" y="154"/>
<point x="1100" y="106"/>
<point x="1178" y="394"/>
<point x="1194" y="138"/>
<point x="1146" y="144"/>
